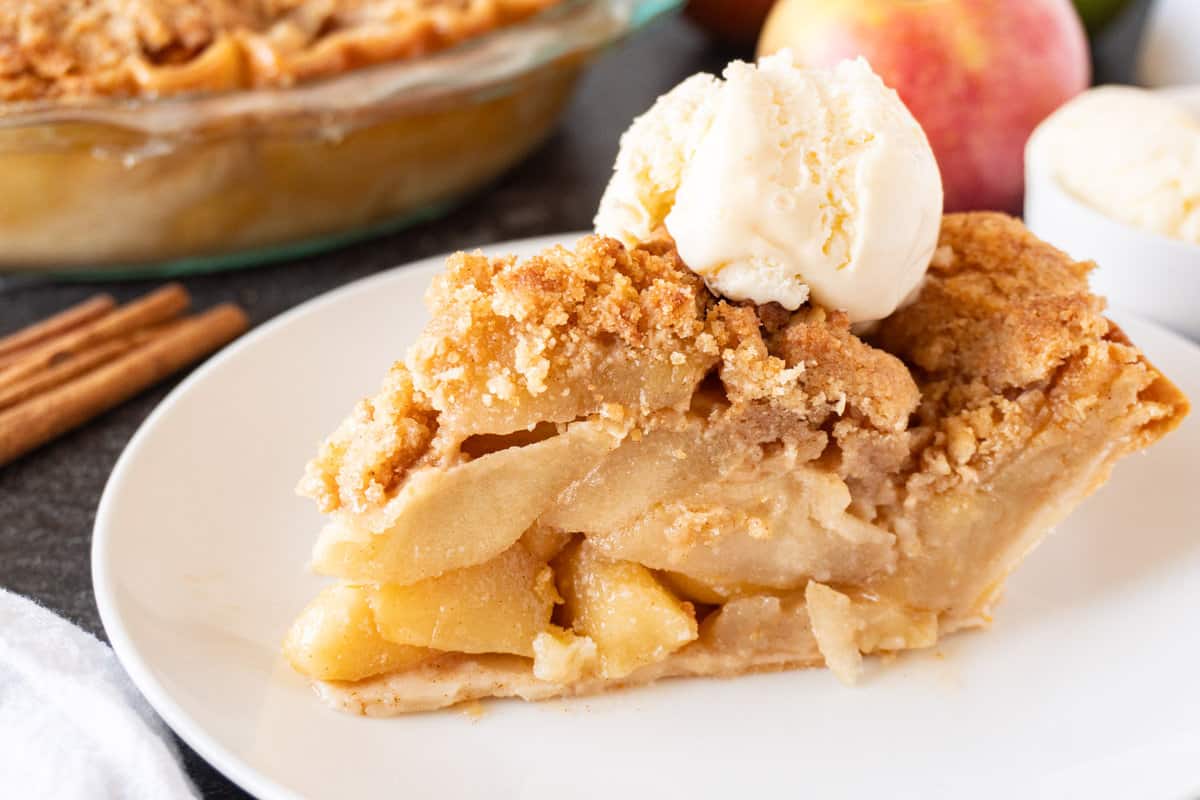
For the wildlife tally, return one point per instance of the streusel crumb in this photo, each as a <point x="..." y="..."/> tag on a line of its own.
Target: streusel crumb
<point x="1002" y="306"/>
<point x="369" y="453"/>
<point x="1004" y="338"/>
<point x="554" y="337"/>
<point x="874" y="385"/>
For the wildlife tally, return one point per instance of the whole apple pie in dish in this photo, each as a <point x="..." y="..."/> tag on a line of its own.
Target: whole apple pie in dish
<point x="71" y="50"/>
<point x="172" y="135"/>
<point x="591" y="471"/>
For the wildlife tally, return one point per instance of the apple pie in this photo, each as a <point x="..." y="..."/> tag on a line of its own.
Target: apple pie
<point x="238" y="130"/>
<point x="65" y="49"/>
<point x="590" y="472"/>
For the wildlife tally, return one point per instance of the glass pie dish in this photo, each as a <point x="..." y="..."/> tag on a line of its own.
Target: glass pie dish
<point x="188" y="183"/>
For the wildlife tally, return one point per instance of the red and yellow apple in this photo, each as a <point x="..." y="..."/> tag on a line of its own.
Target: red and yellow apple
<point x="979" y="75"/>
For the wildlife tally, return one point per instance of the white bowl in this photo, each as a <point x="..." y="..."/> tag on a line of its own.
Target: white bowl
<point x="1167" y="55"/>
<point x="1156" y="276"/>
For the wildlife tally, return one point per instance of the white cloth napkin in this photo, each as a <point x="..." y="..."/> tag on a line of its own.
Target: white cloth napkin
<point x="71" y="723"/>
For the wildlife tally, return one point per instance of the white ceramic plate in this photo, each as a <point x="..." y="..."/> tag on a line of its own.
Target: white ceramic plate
<point x="1085" y="686"/>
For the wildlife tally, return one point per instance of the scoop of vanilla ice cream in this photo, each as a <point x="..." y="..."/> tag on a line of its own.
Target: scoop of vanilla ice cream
<point x="1128" y="153"/>
<point x="778" y="183"/>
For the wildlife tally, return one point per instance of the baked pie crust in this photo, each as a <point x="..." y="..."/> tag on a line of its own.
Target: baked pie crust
<point x="67" y="49"/>
<point x="589" y="472"/>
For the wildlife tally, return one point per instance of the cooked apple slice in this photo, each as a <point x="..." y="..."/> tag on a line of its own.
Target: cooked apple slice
<point x="846" y="625"/>
<point x="562" y="656"/>
<point x="545" y="543"/>
<point x="623" y="608"/>
<point x="699" y="590"/>
<point x="448" y="519"/>
<point x="775" y="530"/>
<point x="633" y="477"/>
<point x="835" y="626"/>
<point x="762" y="630"/>
<point x="336" y="639"/>
<point x="495" y="607"/>
<point x="671" y="501"/>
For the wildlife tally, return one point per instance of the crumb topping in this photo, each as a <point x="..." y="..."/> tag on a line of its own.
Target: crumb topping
<point x="872" y="384"/>
<point x="364" y="460"/>
<point x="1003" y="338"/>
<point x="998" y="305"/>
<point x="556" y="336"/>
<point x="72" y="48"/>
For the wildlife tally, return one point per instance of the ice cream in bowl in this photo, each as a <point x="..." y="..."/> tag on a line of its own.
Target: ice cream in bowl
<point x="1114" y="177"/>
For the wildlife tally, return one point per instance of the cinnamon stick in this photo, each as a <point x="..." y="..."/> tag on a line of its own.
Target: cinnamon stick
<point x="61" y="372"/>
<point x="47" y="415"/>
<point x="73" y="317"/>
<point x="158" y="306"/>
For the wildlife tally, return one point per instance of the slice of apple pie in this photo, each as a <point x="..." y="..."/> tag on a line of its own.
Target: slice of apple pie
<point x="591" y="472"/>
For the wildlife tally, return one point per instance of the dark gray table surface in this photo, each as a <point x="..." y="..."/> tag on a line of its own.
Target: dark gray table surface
<point x="48" y="499"/>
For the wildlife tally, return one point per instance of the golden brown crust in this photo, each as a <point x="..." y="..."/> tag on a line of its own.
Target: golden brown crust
<point x="65" y="49"/>
<point x="1169" y="403"/>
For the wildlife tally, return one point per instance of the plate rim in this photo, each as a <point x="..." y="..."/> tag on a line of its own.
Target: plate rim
<point x="181" y="723"/>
